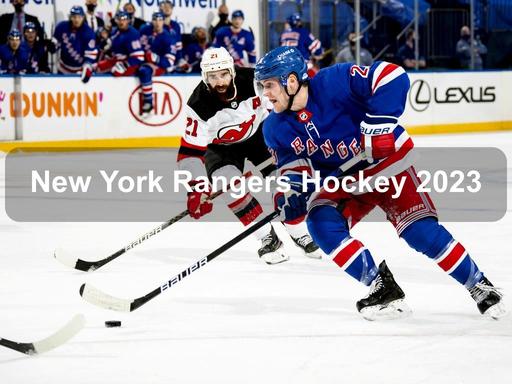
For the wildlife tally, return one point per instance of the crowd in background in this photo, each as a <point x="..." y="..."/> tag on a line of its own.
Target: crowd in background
<point x="85" y="39"/>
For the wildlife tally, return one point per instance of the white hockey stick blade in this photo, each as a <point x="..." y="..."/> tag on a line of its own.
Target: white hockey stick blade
<point x="57" y="339"/>
<point x="60" y="337"/>
<point x="65" y="257"/>
<point x="101" y="299"/>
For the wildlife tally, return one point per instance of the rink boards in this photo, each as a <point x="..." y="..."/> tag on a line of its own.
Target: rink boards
<point x="61" y="111"/>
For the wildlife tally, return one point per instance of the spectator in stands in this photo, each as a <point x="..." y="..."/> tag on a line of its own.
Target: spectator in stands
<point x="92" y="20"/>
<point x="17" y="20"/>
<point x="76" y="42"/>
<point x="194" y="51"/>
<point x="464" y="49"/>
<point x="136" y="22"/>
<point x="14" y="56"/>
<point x="38" y="53"/>
<point x="406" y="54"/>
<point x="237" y="41"/>
<point x="223" y="13"/>
<point x="295" y="35"/>
<point x="166" y="7"/>
<point x="348" y="53"/>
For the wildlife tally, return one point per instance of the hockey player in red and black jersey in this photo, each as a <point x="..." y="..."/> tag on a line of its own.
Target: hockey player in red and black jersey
<point x="224" y="119"/>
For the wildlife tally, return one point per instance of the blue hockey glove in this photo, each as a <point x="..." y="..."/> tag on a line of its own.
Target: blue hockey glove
<point x="292" y="205"/>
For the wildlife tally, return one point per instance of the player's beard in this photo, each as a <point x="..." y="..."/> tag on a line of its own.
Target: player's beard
<point x="228" y="95"/>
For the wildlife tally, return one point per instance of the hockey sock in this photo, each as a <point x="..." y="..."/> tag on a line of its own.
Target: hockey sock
<point x="433" y="240"/>
<point x="330" y="231"/>
<point x="145" y="76"/>
<point x="296" y="230"/>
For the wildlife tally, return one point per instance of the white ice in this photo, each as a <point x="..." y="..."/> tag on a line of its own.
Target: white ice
<point x="241" y="321"/>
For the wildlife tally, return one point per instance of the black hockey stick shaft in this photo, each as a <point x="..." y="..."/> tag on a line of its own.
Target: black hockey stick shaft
<point x="89" y="266"/>
<point x="205" y="260"/>
<point x="26" y="348"/>
<point x="99" y="298"/>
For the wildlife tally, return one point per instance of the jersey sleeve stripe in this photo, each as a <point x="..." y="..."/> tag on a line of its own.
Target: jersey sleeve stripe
<point x="388" y="73"/>
<point x="184" y="143"/>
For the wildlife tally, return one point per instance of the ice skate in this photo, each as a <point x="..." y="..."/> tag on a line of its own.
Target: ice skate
<point x="146" y="110"/>
<point x="386" y="300"/>
<point x="308" y="246"/>
<point x="488" y="299"/>
<point x="271" y="251"/>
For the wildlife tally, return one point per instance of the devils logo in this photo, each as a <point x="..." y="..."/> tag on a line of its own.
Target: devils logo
<point x="235" y="133"/>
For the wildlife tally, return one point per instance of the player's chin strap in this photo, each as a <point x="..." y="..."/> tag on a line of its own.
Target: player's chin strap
<point x="292" y="97"/>
<point x="235" y="92"/>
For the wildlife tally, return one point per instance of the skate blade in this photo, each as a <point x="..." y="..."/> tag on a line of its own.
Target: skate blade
<point x="314" y="255"/>
<point x="397" y="309"/>
<point x="496" y="312"/>
<point x="272" y="258"/>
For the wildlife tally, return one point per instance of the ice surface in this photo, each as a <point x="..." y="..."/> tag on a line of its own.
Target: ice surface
<point x="241" y="321"/>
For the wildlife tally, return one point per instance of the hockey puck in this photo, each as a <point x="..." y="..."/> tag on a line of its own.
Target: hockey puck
<point x="112" y="323"/>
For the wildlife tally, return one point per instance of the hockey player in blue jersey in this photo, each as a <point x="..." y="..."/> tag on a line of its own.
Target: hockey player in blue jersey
<point x="173" y="27"/>
<point x="298" y="36"/>
<point x="193" y="53"/>
<point x="76" y="42"/>
<point x="14" y="55"/>
<point x="38" y="54"/>
<point x="158" y="44"/>
<point x="350" y="112"/>
<point x="237" y="40"/>
<point x="127" y="60"/>
<point x="224" y="118"/>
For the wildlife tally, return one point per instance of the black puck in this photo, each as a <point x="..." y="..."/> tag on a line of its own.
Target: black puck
<point x="112" y="323"/>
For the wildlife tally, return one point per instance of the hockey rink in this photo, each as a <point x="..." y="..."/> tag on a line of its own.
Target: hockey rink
<point x="239" y="320"/>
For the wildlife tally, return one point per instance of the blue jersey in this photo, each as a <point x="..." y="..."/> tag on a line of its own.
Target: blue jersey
<point x="162" y="44"/>
<point x="193" y="55"/>
<point x="175" y="30"/>
<point x="126" y="46"/>
<point x="77" y="46"/>
<point x="14" y="62"/>
<point x="305" y="42"/>
<point x="344" y="102"/>
<point x="38" y="59"/>
<point x="236" y="44"/>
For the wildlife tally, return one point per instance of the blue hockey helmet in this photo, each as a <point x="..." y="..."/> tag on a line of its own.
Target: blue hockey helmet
<point x="76" y="10"/>
<point x="121" y="15"/>
<point x="158" y="15"/>
<point x="280" y="63"/>
<point x="294" y="19"/>
<point x="29" y="26"/>
<point x="14" y="35"/>
<point x="238" y="13"/>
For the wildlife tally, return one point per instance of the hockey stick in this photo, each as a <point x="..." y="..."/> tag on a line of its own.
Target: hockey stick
<point x="89" y="266"/>
<point x="57" y="339"/>
<point x="101" y="299"/>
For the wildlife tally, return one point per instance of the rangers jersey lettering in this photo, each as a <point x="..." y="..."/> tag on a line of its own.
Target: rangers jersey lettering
<point x="77" y="46"/>
<point x="365" y="102"/>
